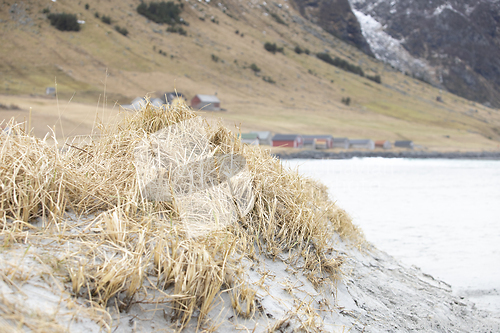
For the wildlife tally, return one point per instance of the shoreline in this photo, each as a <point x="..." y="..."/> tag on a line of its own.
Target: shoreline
<point x="315" y="154"/>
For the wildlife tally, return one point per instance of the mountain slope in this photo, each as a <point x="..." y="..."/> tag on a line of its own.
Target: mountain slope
<point x="222" y="41"/>
<point x="336" y="17"/>
<point x="459" y="39"/>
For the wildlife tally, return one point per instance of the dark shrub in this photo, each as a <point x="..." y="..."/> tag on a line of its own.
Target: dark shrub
<point x="271" y="47"/>
<point x="64" y="22"/>
<point x="46" y="11"/>
<point x="341" y="63"/>
<point x="346" y="100"/>
<point x="215" y="58"/>
<point x="255" y="68"/>
<point x="87" y="6"/>
<point x="106" y="19"/>
<point x="278" y="19"/>
<point x="161" y="12"/>
<point x="374" y="78"/>
<point x="123" y="31"/>
<point x="298" y="50"/>
<point x="181" y="31"/>
<point x="268" y="79"/>
<point x="178" y="30"/>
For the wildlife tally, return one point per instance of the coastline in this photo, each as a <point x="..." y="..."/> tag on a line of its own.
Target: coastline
<point x="315" y="154"/>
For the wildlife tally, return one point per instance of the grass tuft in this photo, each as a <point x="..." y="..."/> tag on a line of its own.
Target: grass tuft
<point x="130" y="246"/>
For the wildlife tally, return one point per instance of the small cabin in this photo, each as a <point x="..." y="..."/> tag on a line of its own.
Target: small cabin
<point x="140" y="102"/>
<point x="137" y="104"/>
<point x="318" y="141"/>
<point x="205" y="103"/>
<point x="362" y="144"/>
<point x="174" y="98"/>
<point x="404" y="144"/>
<point x="158" y="102"/>
<point x="288" y="140"/>
<point x="250" y="138"/>
<point x="265" y="137"/>
<point x="384" y="144"/>
<point x="342" y="143"/>
<point x="50" y="91"/>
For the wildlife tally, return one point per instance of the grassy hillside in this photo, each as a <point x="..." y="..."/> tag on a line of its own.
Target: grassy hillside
<point x="98" y="66"/>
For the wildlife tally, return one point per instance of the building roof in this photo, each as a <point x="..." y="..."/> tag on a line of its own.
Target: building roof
<point x="158" y="102"/>
<point x="309" y="139"/>
<point x="170" y="96"/>
<point x="321" y="136"/>
<point x="249" y="136"/>
<point x="404" y="143"/>
<point x="137" y="104"/>
<point x="208" y="98"/>
<point x="263" y="135"/>
<point x="336" y="140"/>
<point x="285" y="137"/>
<point x="360" y="141"/>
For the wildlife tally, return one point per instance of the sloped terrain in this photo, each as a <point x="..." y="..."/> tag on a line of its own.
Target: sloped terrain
<point x="98" y="66"/>
<point x="458" y="39"/>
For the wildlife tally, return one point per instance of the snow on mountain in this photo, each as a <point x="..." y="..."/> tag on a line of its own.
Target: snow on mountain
<point x="389" y="49"/>
<point x="450" y="43"/>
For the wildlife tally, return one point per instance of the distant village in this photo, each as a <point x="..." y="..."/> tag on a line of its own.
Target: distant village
<point x="319" y="141"/>
<point x="267" y="138"/>
<point x="198" y="102"/>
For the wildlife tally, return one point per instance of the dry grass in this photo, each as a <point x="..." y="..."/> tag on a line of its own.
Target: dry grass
<point x="31" y="177"/>
<point x="125" y="246"/>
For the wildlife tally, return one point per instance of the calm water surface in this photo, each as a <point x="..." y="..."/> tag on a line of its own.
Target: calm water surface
<point x="440" y="215"/>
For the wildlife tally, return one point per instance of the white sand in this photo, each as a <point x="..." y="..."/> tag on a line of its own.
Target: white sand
<point x="378" y="294"/>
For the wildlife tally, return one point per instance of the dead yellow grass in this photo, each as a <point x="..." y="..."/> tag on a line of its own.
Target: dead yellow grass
<point x="126" y="249"/>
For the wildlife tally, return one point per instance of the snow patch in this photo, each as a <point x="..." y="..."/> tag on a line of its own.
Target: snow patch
<point x="388" y="48"/>
<point x="447" y="5"/>
<point x="439" y="9"/>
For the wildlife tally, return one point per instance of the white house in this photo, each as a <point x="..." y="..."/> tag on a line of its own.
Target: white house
<point x="250" y="138"/>
<point x="341" y="143"/>
<point x="265" y="137"/>
<point x="362" y="144"/>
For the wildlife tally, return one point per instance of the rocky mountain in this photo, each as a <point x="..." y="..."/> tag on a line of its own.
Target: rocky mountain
<point x="452" y="43"/>
<point x="337" y="18"/>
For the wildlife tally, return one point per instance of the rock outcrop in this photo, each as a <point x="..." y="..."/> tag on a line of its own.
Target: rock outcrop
<point x="337" y="18"/>
<point x="459" y="39"/>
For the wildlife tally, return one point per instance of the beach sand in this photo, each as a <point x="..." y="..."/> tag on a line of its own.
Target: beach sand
<point x="378" y="294"/>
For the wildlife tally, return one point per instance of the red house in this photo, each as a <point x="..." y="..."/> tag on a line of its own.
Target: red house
<point x="383" y="144"/>
<point x="288" y="140"/>
<point x="205" y="103"/>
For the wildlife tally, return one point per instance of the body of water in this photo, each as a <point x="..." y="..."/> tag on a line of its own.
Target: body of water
<point x="440" y="215"/>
